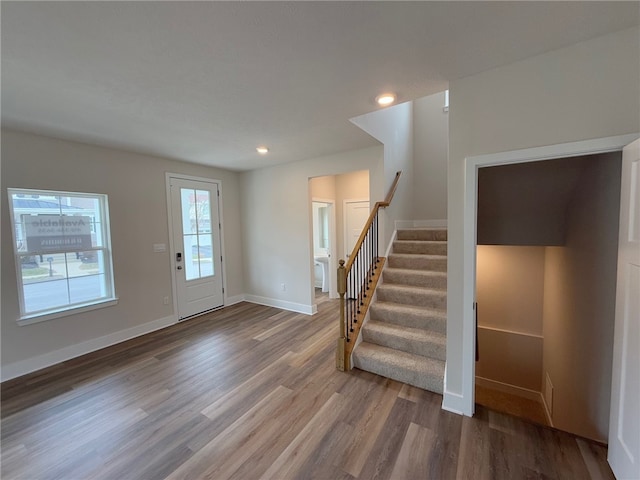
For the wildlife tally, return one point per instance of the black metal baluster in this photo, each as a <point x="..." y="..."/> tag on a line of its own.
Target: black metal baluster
<point x="371" y="272"/>
<point x="353" y="306"/>
<point x="375" y="242"/>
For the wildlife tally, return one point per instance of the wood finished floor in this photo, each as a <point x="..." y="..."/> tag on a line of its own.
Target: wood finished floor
<point x="252" y="392"/>
<point x="512" y="404"/>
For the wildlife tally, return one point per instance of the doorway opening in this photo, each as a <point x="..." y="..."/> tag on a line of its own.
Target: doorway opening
<point x="329" y="196"/>
<point x="547" y="235"/>
<point x="323" y="218"/>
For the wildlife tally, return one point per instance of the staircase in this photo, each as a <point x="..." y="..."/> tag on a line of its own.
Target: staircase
<point x="405" y="337"/>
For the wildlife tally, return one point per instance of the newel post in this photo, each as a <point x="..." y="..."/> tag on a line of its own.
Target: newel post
<point x="342" y="363"/>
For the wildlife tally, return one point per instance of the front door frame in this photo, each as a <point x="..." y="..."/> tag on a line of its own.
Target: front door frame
<point x="172" y="247"/>
<point x="464" y="402"/>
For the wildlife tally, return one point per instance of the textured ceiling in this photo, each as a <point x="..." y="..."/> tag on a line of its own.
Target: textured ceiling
<point x="207" y="82"/>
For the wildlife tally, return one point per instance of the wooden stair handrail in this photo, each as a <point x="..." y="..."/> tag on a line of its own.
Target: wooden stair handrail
<point x="372" y="216"/>
<point x="392" y="190"/>
<point x="345" y="345"/>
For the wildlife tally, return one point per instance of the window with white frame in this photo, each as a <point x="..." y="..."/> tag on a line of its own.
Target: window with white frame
<point x="62" y="252"/>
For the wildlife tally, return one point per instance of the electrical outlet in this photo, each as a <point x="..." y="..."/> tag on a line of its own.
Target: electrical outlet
<point x="165" y="301"/>
<point x="283" y="287"/>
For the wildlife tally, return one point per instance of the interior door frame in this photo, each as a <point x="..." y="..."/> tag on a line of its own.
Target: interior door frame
<point x="172" y="247"/>
<point x="333" y="265"/>
<point x="464" y="402"/>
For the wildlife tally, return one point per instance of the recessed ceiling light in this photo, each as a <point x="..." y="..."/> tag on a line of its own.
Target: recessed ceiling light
<point x="385" y="99"/>
<point x="262" y="150"/>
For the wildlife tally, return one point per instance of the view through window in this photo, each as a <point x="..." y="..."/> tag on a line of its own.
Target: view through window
<point x="62" y="250"/>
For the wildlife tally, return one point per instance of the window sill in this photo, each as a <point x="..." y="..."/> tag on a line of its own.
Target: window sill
<point x="43" y="317"/>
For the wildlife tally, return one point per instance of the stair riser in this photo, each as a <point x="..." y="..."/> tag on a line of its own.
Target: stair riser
<point x="437" y="264"/>
<point x="417" y="278"/>
<point x="409" y="297"/>
<point x="424" y="348"/>
<point x="423" y="248"/>
<point x="429" y="235"/>
<point x="417" y="379"/>
<point x="424" y="321"/>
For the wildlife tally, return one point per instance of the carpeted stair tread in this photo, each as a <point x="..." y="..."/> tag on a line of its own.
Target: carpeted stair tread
<point x="414" y="261"/>
<point x="416" y="370"/>
<point x="410" y="316"/>
<point x="412" y="340"/>
<point x="419" y="278"/>
<point x="422" y="234"/>
<point x="427" y="247"/>
<point x="407" y="294"/>
<point x="405" y="336"/>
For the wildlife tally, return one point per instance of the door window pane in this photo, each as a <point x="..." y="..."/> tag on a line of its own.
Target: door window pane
<point x="189" y="220"/>
<point x="205" y="254"/>
<point x="203" y="204"/>
<point x="191" y="264"/>
<point x="196" y="228"/>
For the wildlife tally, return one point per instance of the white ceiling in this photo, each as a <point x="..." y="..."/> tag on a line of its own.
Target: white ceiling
<point x="207" y="82"/>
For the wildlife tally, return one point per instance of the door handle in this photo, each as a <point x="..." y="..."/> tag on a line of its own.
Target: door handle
<point x="179" y="267"/>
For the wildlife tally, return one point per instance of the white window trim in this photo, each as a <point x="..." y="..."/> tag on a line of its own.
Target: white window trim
<point x="68" y="310"/>
<point x="86" y="307"/>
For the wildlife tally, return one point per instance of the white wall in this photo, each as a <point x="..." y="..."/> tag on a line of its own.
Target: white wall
<point x="393" y="126"/>
<point x="579" y="303"/>
<point x="430" y="154"/>
<point x="277" y="224"/>
<point x="135" y="185"/>
<point x="349" y="186"/>
<point x="323" y="187"/>
<point x="588" y="90"/>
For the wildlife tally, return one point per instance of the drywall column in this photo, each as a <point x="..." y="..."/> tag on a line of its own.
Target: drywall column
<point x="587" y="90"/>
<point x="393" y="126"/>
<point x="430" y="156"/>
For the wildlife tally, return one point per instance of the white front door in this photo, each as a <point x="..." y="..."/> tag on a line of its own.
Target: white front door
<point x="355" y="217"/>
<point x="624" y="421"/>
<point x="194" y="209"/>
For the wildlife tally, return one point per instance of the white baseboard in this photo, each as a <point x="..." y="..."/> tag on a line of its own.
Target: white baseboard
<point x="438" y="223"/>
<point x="442" y="223"/>
<point x="453" y="402"/>
<point x="233" y="300"/>
<point x="547" y="413"/>
<point x="283" y="304"/>
<point x="401" y="224"/>
<point x="29" y="365"/>
<point x="390" y="246"/>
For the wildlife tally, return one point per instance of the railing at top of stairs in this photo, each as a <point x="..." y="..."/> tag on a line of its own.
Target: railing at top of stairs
<point x="357" y="280"/>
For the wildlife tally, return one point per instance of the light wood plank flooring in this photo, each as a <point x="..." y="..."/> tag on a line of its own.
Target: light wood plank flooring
<point x="252" y="392"/>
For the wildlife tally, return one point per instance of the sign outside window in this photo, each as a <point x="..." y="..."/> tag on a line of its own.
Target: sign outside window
<point x="60" y="233"/>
